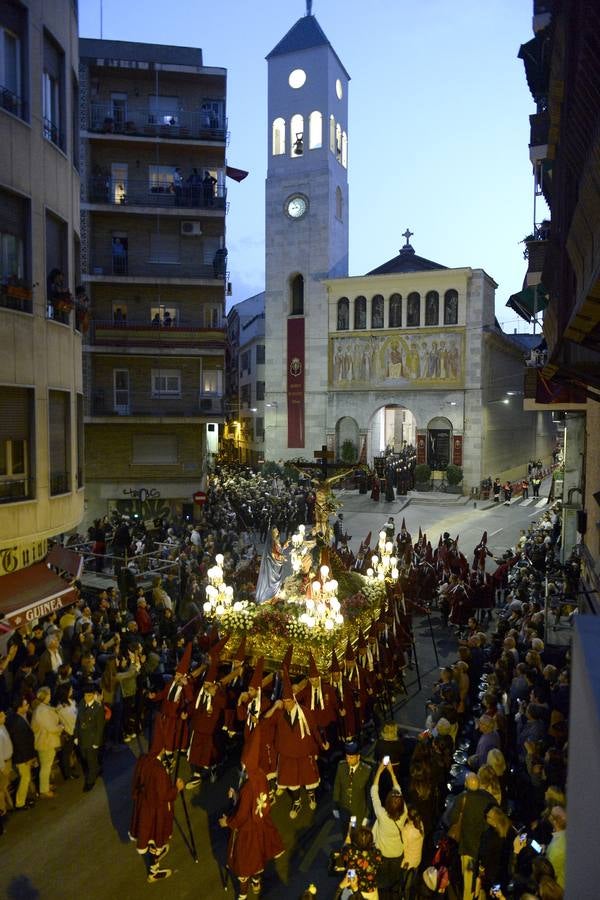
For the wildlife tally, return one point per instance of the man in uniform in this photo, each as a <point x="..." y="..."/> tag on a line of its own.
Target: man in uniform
<point x="351" y="788"/>
<point x="89" y="732"/>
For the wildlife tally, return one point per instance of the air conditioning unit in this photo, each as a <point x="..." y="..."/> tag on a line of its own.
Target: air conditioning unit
<point x="191" y="229"/>
<point x="122" y="410"/>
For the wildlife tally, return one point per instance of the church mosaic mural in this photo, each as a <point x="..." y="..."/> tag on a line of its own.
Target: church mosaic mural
<point x="421" y="359"/>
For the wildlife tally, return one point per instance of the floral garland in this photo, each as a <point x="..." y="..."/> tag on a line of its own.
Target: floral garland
<point x="271" y="628"/>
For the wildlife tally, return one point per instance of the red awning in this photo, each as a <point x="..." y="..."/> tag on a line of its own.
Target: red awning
<point x="66" y="560"/>
<point x="32" y="593"/>
<point x="236" y="174"/>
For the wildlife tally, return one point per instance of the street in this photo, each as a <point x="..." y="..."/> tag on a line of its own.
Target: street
<point x="77" y="844"/>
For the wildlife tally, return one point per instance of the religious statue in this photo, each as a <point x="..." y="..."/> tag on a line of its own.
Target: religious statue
<point x="270" y="575"/>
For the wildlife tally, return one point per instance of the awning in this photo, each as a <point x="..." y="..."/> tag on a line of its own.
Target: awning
<point x="30" y="593"/>
<point x="529" y="302"/>
<point x="236" y="174"/>
<point x="66" y="560"/>
<point x="535" y="56"/>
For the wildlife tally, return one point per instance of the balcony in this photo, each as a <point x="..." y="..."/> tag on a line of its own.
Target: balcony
<point x="539" y="124"/>
<point x="11" y="102"/>
<point x="60" y="483"/>
<point x="142" y="121"/>
<point x="144" y="334"/>
<point x="103" y="406"/>
<point x="105" y="267"/>
<point x="16" y="490"/>
<point x="126" y="194"/>
<point x="15" y="294"/>
<point x="52" y="133"/>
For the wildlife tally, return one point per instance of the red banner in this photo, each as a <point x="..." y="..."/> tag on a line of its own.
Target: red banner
<point x="457" y="444"/>
<point x="421" y="447"/>
<point x="295" y="382"/>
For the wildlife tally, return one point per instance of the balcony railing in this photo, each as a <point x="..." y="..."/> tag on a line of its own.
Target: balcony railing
<point x="156" y="407"/>
<point x="132" y="334"/>
<point x="60" y="483"/>
<point x="105" y="118"/>
<point x="11" y="102"/>
<point x="15" y="490"/>
<point x="16" y="296"/>
<point x="121" y="193"/>
<point x="122" y="266"/>
<point x="52" y="133"/>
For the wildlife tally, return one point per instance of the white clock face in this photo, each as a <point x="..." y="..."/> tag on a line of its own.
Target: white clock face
<point x="338" y="89"/>
<point x="296" y="207"/>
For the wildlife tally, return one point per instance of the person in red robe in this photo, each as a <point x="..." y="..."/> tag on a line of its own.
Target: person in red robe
<point x="254" y="839"/>
<point x="153" y="811"/>
<point x="170" y="725"/>
<point x="206" y="727"/>
<point x="347" y="713"/>
<point x="297" y="742"/>
<point x="252" y="706"/>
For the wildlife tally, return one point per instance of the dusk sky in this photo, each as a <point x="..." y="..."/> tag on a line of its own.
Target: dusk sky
<point x="438" y="121"/>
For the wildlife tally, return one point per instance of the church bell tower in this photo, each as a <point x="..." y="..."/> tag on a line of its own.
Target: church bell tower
<point x="306" y="232"/>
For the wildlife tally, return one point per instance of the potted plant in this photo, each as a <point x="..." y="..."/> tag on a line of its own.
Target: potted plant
<point x="422" y="477"/>
<point x="348" y="452"/>
<point x="454" y="477"/>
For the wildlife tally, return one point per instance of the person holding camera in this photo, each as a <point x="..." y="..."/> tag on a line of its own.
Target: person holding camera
<point x="387" y="832"/>
<point x="362" y="862"/>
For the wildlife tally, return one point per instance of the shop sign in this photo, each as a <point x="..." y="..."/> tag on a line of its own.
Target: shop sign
<point x="21" y="554"/>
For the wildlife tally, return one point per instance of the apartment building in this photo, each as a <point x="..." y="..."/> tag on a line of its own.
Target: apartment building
<point x="245" y="435"/>
<point x="153" y="129"/>
<point x="41" y="400"/>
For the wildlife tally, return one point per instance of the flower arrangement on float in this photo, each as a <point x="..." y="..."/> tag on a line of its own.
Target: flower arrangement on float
<point x="317" y="622"/>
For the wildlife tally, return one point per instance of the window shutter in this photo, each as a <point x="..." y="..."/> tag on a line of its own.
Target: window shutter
<point x="15" y="411"/>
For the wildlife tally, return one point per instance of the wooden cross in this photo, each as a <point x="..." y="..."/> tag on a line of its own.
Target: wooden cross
<point x="322" y="456"/>
<point x="407" y="234"/>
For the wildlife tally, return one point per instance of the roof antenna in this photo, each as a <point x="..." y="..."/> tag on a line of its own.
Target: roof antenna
<point x="309" y="7"/>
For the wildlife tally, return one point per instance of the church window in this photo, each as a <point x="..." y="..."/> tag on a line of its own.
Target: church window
<point x="278" y="137"/>
<point x="297" y="78"/>
<point x="395" y="311"/>
<point x="315" y="130"/>
<point x="377" y="311"/>
<point x="338" y="142"/>
<point x="451" y="307"/>
<point x="344" y="149"/>
<point x="338" y="89"/>
<point x="432" y="308"/>
<point x="332" y="134"/>
<point x="339" y="204"/>
<point x="360" y="312"/>
<point x="297" y="305"/>
<point x="343" y="314"/>
<point x="413" y="310"/>
<point x="297" y="135"/>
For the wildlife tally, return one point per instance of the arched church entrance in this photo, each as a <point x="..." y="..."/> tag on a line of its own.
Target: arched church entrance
<point x="439" y="442"/>
<point x="392" y="430"/>
<point x="347" y="440"/>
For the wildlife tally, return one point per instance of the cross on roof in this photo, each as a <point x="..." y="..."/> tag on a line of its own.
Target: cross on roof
<point x="408" y="234"/>
<point x="309" y="7"/>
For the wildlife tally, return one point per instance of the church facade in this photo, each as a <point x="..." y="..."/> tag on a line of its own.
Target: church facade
<point x="410" y="352"/>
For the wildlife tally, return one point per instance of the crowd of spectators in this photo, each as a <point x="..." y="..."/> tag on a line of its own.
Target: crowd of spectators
<point x="474" y="807"/>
